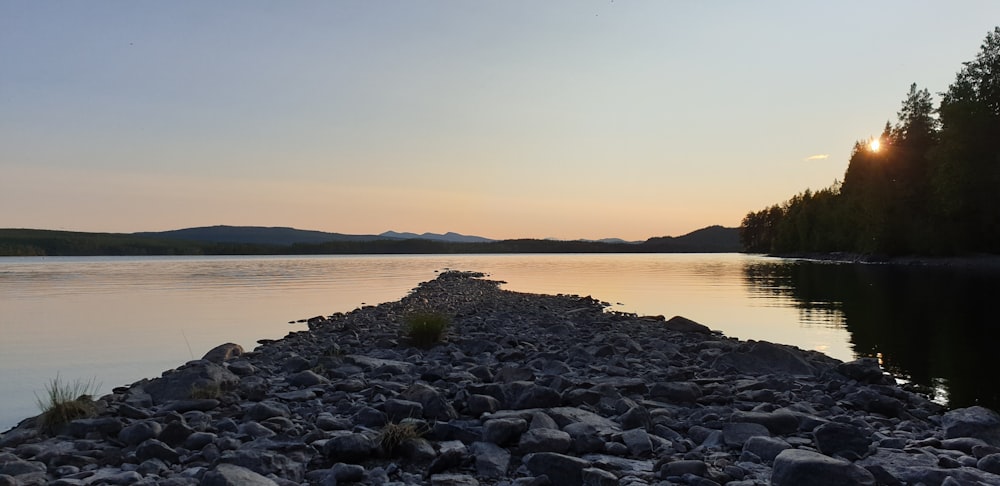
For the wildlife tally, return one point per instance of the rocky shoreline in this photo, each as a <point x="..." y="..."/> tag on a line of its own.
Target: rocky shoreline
<point x="525" y="390"/>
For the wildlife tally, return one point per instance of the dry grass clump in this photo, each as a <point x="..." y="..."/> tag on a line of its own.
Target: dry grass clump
<point x="393" y="434"/>
<point x="426" y="329"/>
<point x="65" y="402"/>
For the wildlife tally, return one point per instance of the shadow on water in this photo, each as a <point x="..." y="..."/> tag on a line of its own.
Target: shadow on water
<point x="934" y="326"/>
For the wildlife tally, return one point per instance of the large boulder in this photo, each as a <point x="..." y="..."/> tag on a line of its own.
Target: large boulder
<point x="683" y="324"/>
<point x="764" y="357"/>
<point x="793" y="467"/>
<point x="191" y="379"/>
<point x="978" y="422"/>
<point x="223" y="353"/>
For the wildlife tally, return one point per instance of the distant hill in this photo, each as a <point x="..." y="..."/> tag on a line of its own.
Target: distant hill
<point x="713" y="239"/>
<point x="248" y="240"/>
<point x="449" y="236"/>
<point x="255" y="235"/>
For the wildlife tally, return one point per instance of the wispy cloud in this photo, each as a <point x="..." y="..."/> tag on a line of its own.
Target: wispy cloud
<point x="818" y="157"/>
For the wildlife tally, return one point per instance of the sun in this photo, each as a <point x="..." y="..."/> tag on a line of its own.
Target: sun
<point x="874" y="145"/>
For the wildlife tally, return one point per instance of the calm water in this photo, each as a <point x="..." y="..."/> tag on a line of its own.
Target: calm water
<point x="117" y="320"/>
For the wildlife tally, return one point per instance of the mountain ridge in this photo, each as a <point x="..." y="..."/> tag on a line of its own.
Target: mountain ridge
<point x="258" y="240"/>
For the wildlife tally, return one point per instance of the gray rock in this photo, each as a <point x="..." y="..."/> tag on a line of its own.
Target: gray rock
<point x="453" y="480"/>
<point x="683" y="324"/>
<point x="529" y="395"/>
<point x="265" y="462"/>
<point x="541" y="420"/>
<point x="844" y="440"/>
<point x="586" y="438"/>
<point x="492" y="461"/>
<point x="175" y="433"/>
<point x="197" y="440"/>
<point x="18" y="467"/>
<point x="326" y="421"/>
<point x="417" y="450"/>
<point x="347" y="473"/>
<point x="103" y="426"/>
<point x="510" y="374"/>
<point x="569" y="415"/>
<point x="544" y="440"/>
<point x="370" y="363"/>
<point x="349" y="448"/>
<point x="435" y="405"/>
<point x="480" y="404"/>
<point x="676" y="392"/>
<point x="451" y="454"/>
<point x="232" y="475"/>
<point x="179" y="384"/>
<point x="779" y="423"/>
<point x="140" y="431"/>
<point x="504" y="430"/>
<point x="396" y="409"/>
<point x="593" y="476"/>
<point x="223" y="352"/>
<point x="638" y="442"/>
<point x="636" y="417"/>
<point x="154" y="449"/>
<point x="793" y="467"/>
<point x="107" y="476"/>
<point x="266" y="409"/>
<point x="255" y="430"/>
<point x="307" y="378"/>
<point x="370" y="417"/>
<point x="765" y="358"/>
<point x="869" y="400"/>
<point x="241" y="367"/>
<point x="684" y="467"/>
<point x="865" y="370"/>
<point x="192" y="404"/>
<point x="565" y="469"/>
<point x="737" y="434"/>
<point x="765" y="448"/>
<point x="990" y="463"/>
<point x="978" y="422"/>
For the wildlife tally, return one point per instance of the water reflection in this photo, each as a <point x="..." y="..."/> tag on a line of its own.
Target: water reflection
<point x="934" y="326"/>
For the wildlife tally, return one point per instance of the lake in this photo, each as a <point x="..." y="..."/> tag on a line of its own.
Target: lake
<point x="115" y="320"/>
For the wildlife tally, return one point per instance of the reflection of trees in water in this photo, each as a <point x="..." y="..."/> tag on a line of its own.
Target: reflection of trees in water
<point x="925" y="323"/>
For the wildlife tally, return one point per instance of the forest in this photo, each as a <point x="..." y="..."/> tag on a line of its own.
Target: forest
<point x="928" y="185"/>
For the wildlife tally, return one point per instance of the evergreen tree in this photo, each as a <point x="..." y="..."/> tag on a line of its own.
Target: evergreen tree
<point x="967" y="175"/>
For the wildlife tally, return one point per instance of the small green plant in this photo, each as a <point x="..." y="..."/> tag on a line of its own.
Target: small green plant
<point x="393" y="434"/>
<point x="426" y="328"/>
<point x="65" y="402"/>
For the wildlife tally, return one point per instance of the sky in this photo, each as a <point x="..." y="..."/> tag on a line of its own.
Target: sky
<point x="564" y="119"/>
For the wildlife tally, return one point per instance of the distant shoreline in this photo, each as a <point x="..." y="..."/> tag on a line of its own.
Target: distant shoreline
<point x="979" y="261"/>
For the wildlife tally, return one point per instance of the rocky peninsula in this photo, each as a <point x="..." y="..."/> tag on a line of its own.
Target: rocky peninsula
<point x="524" y="389"/>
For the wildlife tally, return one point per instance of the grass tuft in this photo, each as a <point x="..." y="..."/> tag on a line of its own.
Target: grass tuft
<point x="65" y="402"/>
<point x="393" y="434"/>
<point x="426" y="329"/>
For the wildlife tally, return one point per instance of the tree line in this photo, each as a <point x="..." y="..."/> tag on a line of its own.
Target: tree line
<point x="931" y="185"/>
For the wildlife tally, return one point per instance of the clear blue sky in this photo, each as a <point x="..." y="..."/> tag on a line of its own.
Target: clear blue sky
<point x="569" y="119"/>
